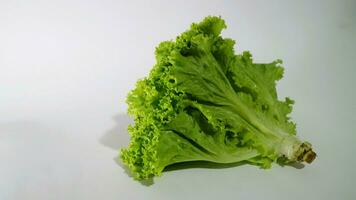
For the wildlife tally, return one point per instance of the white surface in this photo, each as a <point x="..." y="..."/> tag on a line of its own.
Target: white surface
<point x="66" y="67"/>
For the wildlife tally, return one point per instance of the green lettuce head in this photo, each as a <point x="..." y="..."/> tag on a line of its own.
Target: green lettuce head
<point x="203" y="102"/>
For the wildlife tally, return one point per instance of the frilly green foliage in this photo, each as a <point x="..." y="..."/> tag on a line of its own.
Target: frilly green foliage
<point x="201" y="101"/>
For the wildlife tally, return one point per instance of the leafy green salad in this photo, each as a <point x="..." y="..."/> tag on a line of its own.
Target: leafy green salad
<point x="203" y="102"/>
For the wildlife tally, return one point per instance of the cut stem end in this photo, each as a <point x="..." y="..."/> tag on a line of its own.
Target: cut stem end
<point x="309" y="156"/>
<point x="306" y="153"/>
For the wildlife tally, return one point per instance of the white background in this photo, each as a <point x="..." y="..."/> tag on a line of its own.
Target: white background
<point x="66" y="67"/>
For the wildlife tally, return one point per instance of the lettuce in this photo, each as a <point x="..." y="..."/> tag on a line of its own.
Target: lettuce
<point x="202" y="102"/>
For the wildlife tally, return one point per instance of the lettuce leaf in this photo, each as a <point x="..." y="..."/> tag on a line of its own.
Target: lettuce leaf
<point x="202" y="102"/>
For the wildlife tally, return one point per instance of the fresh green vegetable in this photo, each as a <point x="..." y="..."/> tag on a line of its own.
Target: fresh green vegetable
<point x="202" y="102"/>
